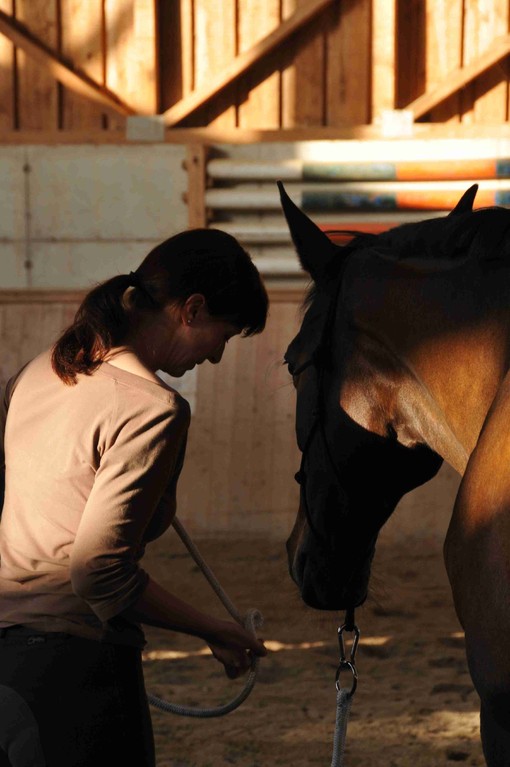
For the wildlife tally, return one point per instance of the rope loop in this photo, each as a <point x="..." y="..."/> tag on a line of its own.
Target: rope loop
<point x="251" y="622"/>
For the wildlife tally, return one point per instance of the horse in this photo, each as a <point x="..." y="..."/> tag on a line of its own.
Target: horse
<point x="402" y="361"/>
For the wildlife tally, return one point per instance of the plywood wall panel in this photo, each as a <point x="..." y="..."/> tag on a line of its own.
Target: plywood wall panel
<point x="27" y="328"/>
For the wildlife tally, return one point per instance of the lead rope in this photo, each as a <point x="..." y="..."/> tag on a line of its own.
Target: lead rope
<point x="251" y="621"/>
<point x="343" y="694"/>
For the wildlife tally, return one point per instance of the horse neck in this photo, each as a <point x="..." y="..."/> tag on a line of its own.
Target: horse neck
<point x="448" y="335"/>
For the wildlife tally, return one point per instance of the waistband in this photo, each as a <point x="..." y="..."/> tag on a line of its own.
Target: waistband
<point x="25" y="632"/>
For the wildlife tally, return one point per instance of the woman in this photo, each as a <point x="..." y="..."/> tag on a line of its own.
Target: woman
<point x="94" y="443"/>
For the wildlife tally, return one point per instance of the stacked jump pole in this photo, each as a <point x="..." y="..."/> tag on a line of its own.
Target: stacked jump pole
<point x="344" y="185"/>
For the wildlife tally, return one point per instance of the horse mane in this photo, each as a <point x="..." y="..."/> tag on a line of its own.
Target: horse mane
<point x="480" y="235"/>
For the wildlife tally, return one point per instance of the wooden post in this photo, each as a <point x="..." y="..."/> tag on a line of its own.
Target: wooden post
<point x="196" y="165"/>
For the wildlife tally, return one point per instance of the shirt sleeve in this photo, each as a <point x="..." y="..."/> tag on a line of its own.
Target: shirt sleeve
<point x="142" y="456"/>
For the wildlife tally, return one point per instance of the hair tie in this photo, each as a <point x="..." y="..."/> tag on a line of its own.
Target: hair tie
<point x="136" y="282"/>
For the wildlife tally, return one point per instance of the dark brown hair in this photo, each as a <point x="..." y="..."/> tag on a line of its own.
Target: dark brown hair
<point x="205" y="261"/>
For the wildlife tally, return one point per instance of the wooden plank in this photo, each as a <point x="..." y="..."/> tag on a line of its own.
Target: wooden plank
<point x="411" y="47"/>
<point x="130" y="40"/>
<point x="38" y="66"/>
<point x="82" y="43"/>
<point x="384" y="20"/>
<point x="196" y="166"/>
<point x="303" y="82"/>
<point x="38" y="105"/>
<point x="259" y="101"/>
<point x="485" y="99"/>
<point x="175" y="51"/>
<point x="244" y="412"/>
<point x="245" y="60"/>
<point x="443" y="55"/>
<point x="348" y="40"/>
<point x="460" y="77"/>
<point x="7" y="92"/>
<point x="142" y="65"/>
<point x="214" y="22"/>
<point x="26" y="329"/>
<point x="41" y="296"/>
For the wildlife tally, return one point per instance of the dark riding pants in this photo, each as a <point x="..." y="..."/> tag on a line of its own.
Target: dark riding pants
<point x="71" y="702"/>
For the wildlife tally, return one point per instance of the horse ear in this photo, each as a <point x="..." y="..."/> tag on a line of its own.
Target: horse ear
<point x="465" y="204"/>
<point x="314" y="248"/>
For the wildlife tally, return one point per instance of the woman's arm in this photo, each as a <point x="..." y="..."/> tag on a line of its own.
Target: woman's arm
<point x="231" y="643"/>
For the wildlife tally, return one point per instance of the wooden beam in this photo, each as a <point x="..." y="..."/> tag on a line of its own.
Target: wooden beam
<point x="384" y="31"/>
<point x="183" y="136"/>
<point x="241" y="63"/>
<point x="61" y="69"/>
<point x="460" y="77"/>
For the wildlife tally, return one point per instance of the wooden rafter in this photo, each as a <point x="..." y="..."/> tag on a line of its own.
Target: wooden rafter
<point x="460" y="77"/>
<point x="244" y="61"/>
<point x="61" y="69"/>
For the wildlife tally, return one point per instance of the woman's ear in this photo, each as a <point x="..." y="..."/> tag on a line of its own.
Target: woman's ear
<point x="193" y="308"/>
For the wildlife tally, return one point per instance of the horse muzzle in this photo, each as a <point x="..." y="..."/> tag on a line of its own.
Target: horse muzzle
<point x="325" y="585"/>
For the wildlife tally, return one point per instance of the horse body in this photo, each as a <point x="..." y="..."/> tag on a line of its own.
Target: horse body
<point x="403" y="360"/>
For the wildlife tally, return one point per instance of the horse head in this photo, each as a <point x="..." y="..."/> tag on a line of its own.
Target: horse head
<point x="361" y="452"/>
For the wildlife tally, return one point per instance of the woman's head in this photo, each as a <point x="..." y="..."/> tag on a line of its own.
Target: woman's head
<point x="202" y="275"/>
<point x="213" y="264"/>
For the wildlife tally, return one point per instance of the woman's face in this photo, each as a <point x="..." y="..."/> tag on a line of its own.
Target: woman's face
<point x="196" y="336"/>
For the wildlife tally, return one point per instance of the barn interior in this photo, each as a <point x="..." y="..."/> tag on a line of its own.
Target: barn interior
<point x="123" y="122"/>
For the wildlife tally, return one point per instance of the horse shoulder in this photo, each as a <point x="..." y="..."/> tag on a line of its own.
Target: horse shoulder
<point x="477" y="551"/>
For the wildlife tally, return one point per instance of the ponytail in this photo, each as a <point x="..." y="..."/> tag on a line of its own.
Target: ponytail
<point x="100" y="323"/>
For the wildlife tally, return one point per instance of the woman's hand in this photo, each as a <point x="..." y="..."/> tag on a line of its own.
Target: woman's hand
<point x="235" y="647"/>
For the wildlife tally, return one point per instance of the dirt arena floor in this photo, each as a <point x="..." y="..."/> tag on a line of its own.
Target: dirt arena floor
<point x="415" y="705"/>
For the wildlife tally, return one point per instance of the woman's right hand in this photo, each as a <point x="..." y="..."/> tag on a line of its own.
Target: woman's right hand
<point x="235" y="647"/>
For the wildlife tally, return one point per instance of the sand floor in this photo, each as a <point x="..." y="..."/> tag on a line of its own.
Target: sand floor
<point x="415" y="705"/>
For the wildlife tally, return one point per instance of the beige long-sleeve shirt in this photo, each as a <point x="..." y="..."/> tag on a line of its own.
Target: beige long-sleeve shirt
<point x="90" y="478"/>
